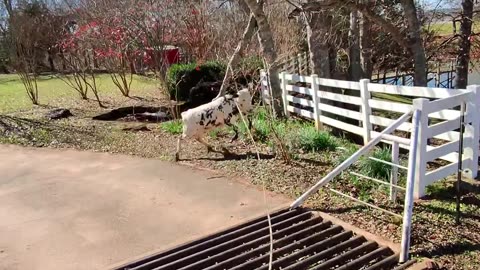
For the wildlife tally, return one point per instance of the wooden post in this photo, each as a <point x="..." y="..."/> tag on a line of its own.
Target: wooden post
<point x="316" y="103"/>
<point x="421" y="162"/>
<point x="394" y="176"/>
<point x="452" y="66"/>
<point x="366" y="110"/>
<point x="472" y="131"/>
<point x="289" y="64"/>
<point x="295" y="64"/>
<point x="307" y="60"/>
<point x="300" y="64"/>
<point x="439" y="75"/>
<point x="283" y="84"/>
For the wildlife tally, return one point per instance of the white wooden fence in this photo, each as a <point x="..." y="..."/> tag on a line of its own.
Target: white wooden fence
<point x="305" y="96"/>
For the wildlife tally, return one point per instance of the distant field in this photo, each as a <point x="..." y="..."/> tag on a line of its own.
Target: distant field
<point x="13" y="96"/>
<point x="446" y="28"/>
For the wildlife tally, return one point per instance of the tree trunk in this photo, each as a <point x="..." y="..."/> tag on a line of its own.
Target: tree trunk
<point x="8" y="6"/>
<point x="234" y="59"/>
<point x="365" y="47"/>
<point x="51" y="63"/>
<point x="355" y="69"/>
<point x="267" y="46"/>
<point x="415" y="42"/>
<point x="317" y="45"/>
<point x="133" y="69"/>
<point x="463" y="54"/>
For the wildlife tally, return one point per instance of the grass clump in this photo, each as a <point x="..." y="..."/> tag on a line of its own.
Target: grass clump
<point x="307" y="138"/>
<point x="374" y="168"/>
<point x="261" y="128"/>
<point x="173" y="127"/>
<point x="345" y="152"/>
<point x="296" y="135"/>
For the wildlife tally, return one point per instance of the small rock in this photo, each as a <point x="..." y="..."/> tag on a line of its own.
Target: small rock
<point x="58" y="114"/>
<point x="431" y="265"/>
<point x="137" y="128"/>
<point x="391" y="227"/>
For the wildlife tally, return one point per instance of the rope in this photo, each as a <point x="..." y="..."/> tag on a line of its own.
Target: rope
<point x="267" y="206"/>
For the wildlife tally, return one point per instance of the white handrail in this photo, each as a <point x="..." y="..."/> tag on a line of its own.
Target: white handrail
<point x="408" y="208"/>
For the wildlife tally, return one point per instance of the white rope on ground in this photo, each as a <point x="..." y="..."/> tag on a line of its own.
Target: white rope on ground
<point x="264" y="189"/>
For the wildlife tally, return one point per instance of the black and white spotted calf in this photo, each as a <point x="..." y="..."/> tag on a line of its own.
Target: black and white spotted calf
<point x="215" y="114"/>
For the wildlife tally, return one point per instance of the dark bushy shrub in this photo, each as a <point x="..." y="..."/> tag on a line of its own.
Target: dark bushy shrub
<point x="203" y="93"/>
<point x="181" y="78"/>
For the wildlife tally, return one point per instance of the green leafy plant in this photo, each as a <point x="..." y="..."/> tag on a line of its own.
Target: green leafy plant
<point x="308" y="138"/>
<point x="172" y="127"/>
<point x="374" y="168"/>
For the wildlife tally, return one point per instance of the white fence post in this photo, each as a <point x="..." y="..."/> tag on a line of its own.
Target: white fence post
<point x="266" y="93"/>
<point x="473" y="131"/>
<point x="394" y="176"/>
<point x="283" y="84"/>
<point x="366" y="110"/>
<point x="421" y="163"/>
<point x="316" y="103"/>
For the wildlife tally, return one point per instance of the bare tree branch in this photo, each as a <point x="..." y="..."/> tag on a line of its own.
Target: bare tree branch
<point x="247" y="35"/>
<point x="366" y="10"/>
<point x="8" y="6"/>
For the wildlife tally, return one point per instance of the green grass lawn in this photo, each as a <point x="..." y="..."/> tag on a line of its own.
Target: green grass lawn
<point x="14" y="98"/>
<point x="446" y="28"/>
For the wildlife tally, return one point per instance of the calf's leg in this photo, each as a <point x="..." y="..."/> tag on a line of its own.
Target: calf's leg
<point x="209" y="147"/>
<point x="235" y="137"/>
<point x="177" y="154"/>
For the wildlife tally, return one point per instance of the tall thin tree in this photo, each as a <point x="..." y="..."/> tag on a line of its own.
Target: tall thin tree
<point x="267" y="46"/>
<point x="463" y="53"/>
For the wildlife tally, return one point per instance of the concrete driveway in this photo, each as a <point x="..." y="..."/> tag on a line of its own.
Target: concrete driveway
<point x="64" y="209"/>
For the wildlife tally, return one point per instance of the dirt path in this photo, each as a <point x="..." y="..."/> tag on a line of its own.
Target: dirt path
<point x="64" y="209"/>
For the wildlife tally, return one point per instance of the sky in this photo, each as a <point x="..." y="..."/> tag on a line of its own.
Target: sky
<point x="432" y="4"/>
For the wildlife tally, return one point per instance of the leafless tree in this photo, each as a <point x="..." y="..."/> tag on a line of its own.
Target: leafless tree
<point x="411" y="42"/>
<point x="242" y="44"/>
<point x="354" y="43"/>
<point x="27" y="41"/>
<point x="269" y="52"/>
<point x="415" y="42"/>
<point x="464" y="44"/>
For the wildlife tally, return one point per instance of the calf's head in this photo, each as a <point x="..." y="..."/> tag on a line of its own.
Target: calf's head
<point x="244" y="101"/>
